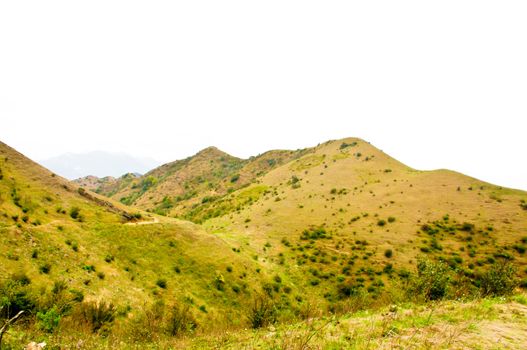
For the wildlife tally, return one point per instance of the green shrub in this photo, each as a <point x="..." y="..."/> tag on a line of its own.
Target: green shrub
<point x="388" y="253"/>
<point x="162" y="283"/>
<point x="347" y="289"/>
<point x="499" y="280"/>
<point x="45" y="268"/>
<point x="180" y="320"/>
<point x="97" y="315"/>
<point x="15" y="296"/>
<point x="20" y="278"/>
<point x="75" y="212"/>
<point x="467" y="227"/>
<point x="381" y="223"/>
<point x="49" y="320"/>
<point x="432" y="280"/>
<point x="344" y="145"/>
<point x="262" y="313"/>
<point x="89" y="268"/>
<point x="520" y="248"/>
<point x="315" y="233"/>
<point x="219" y="282"/>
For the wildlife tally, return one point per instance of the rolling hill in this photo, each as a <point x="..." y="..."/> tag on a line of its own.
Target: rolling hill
<point x="281" y="237"/>
<point x="341" y="215"/>
<point x="348" y="214"/>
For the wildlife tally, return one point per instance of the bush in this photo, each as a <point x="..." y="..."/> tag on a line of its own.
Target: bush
<point x="347" y="289"/>
<point x="219" y="282"/>
<point x="499" y="280"/>
<point x="432" y="280"/>
<point x="262" y="313"/>
<point x="520" y="248"/>
<point x="45" y="268"/>
<point x="20" y="278"/>
<point x="344" y="145"/>
<point x="180" y="320"/>
<point x="75" y="212"/>
<point x="315" y="233"/>
<point x="381" y="223"/>
<point x="162" y="283"/>
<point x="97" y="315"/>
<point x="49" y="320"/>
<point x="388" y="253"/>
<point x="15" y="296"/>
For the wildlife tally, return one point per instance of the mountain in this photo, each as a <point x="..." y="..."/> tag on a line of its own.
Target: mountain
<point x="348" y="209"/>
<point x="343" y="209"/>
<point x="173" y="188"/>
<point x="97" y="163"/>
<point x="283" y="237"/>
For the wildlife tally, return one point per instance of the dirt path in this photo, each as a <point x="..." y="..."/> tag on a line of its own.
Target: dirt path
<point x="155" y="221"/>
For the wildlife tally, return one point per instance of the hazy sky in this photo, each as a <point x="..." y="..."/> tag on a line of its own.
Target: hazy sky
<point x="438" y="84"/>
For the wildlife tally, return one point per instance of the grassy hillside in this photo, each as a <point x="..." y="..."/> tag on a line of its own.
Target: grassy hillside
<point x="282" y="238"/>
<point x="347" y="216"/>
<point x="491" y="323"/>
<point x="58" y="241"/>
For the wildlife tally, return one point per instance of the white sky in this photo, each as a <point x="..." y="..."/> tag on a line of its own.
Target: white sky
<point x="438" y="84"/>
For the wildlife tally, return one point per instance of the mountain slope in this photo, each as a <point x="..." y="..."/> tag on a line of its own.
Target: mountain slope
<point x="54" y="232"/>
<point x="341" y="215"/>
<point x="282" y="237"/>
<point x="174" y="188"/>
<point x="349" y="215"/>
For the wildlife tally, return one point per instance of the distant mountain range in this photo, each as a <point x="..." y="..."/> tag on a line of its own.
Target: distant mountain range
<point x="98" y="163"/>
